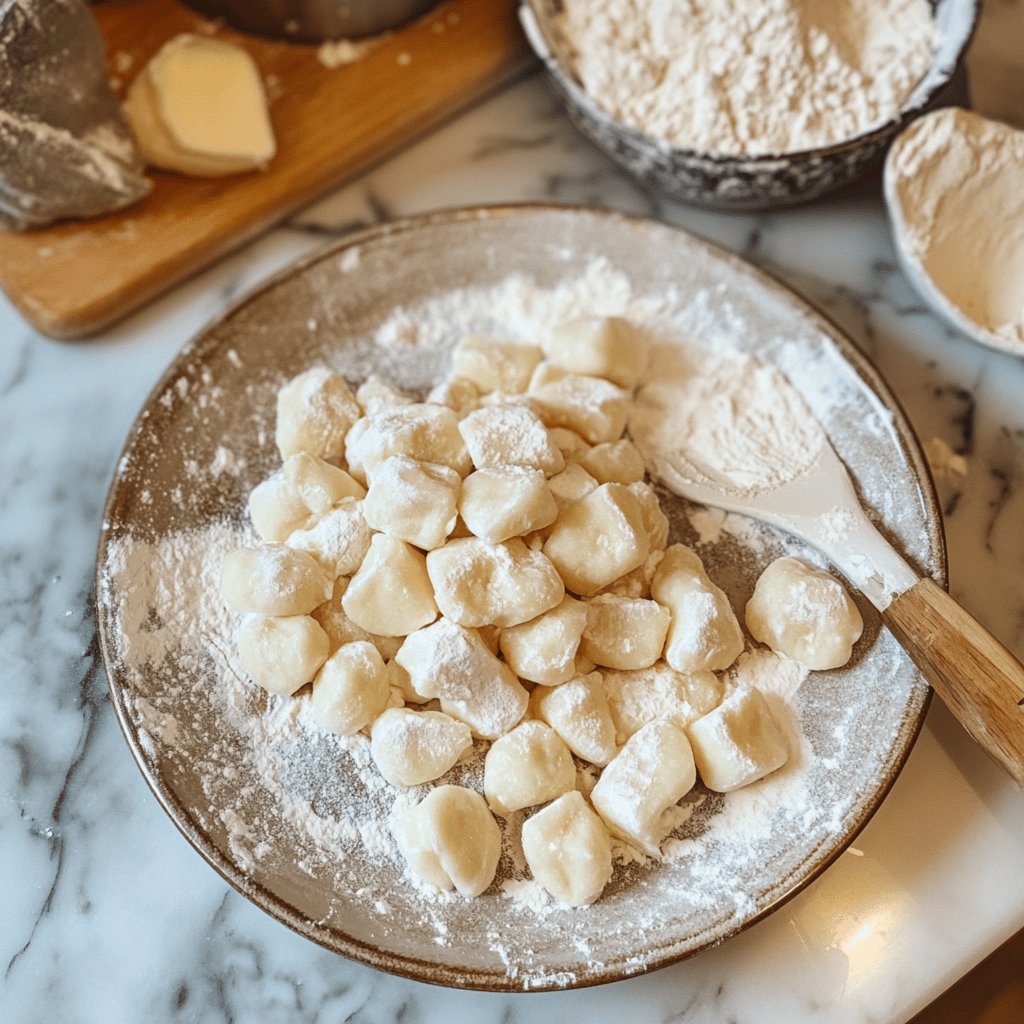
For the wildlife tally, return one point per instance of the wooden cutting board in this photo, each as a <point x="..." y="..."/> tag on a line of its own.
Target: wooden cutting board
<point x="75" y="278"/>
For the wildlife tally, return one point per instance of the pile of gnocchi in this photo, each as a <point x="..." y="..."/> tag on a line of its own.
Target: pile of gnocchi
<point x="490" y="565"/>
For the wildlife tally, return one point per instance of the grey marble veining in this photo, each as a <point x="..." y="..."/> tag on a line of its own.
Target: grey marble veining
<point x="109" y="916"/>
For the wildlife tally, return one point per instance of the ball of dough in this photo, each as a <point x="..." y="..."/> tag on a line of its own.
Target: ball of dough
<point x="273" y="581"/>
<point x="608" y="347"/>
<point x="624" y="632"/>
<point x="494" y="365"/>
<point x="339" y="541"/>
<point x="510" y="435"/>
<point x="413" y="747"/>
<point x="413" y="501"/>
<point x="578" y="712"/>
<point x="351" y="689"/>
<point x="281" y="654"/>
<point x="594" y="408"/>
<point x="804" y="613"/>
<point x="527" y="766"/>
<point x="543" y="650"/>
<point x="314" y="413"/>
<point x="506" y="501"/>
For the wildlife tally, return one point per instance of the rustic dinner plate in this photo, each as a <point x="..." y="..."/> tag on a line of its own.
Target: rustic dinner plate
<point x="295" y="819"/>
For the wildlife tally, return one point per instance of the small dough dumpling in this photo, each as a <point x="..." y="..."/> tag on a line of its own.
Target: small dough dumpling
<point x="624" y="632"/>
<point x="639" y="696"/>
<point x="460" y="395"/>
<point x="480" y="584"/>
<point x="320" y="485"/>
<point x="578" y="712"/>
<point x="804" y="613"/>
<point x="339" y="540"/>
<point x="315" y="411"/>
<point x="596" y="409"/>
<point x="450" y="840"/>
<point x="281" y="654"/>
<point x="273" y="581"/>
<point x="502" y="502"/>
<point x="510" y="435"/>
<point x="543" y="650"/>
<point x="705" y="634"/>
<point x="598" y="539"/>
<point x="570" y="486"/>
<point x="608" y="347"/>
<point x="655" y="520"/>
<point x="341" y="630"/>
<point x="413" y="747"/>
<point x="494" y="365"/>
<point x="737" y="743"/>
<point x="528" y="766"/>
<point x="413" y="501"/>
<point x="568" y="850"/>
<point x="276" y="509"/>
<point x="390" y="594"/>
<point x="350" y="690"/>
<point x="652" y="773"/>
<point x="376" y="395"/>
<point x="614" y="462"/>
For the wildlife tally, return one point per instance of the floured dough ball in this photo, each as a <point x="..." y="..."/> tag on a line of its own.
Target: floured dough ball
<point x="450" y="840"/>
<point x="640" y="696"/>
<point x="737" y="743"/>
<point x="614" y="462"/>
<point x="428" y="433"/>
<point x="578" y="712"/>
<point x="494" y="365"/>
<point x="276" y="509"/>
<point x="341" y="630"/>
<point x="624" y="632"/>
<point x="391" y="592"/>
<point x="569" y="443"/>
<point x="598" y="539"/>
<point x="351" y="689"/>
<point x="273" y="581"/>
<point x="804" y="613"/>
<point x="594" y="408"/>
<point x="652" y="773"/>
<point x="704" y="634"/>
<point x="281" y="654"/>
<point x="543" y="650"/>
<point x="655" y="520"/>
<point x="413" y="501"/>
<point x="319" y="484"/>
<point x="507" y="501"/>
<point x="450" y="662"/>
<point x="477" y="584"/>
<point x="608" y="347"/>
<point x="314" y="413"/>
<point x="413" y="747"/>
<point x="527" y="766"/>
<point x="339" y="541"/>
<point x="568" y="850"/>
<point x="510" y="435"/>
<point x="571" y="485"/>
<point x="460" y="395"/>
<point x="376" y="395"/>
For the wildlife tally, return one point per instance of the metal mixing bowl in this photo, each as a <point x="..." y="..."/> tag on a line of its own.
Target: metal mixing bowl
<point x="313" y="21"/>
<point x="730" y="182"/>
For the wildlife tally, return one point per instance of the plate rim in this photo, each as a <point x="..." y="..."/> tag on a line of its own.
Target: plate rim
<point x="407" y="966"/>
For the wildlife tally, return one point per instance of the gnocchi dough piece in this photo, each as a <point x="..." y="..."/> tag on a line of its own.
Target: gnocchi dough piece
<point x="737" y="743"/>
<point x="528" y="766"/>
<point x="341" y="630"/>
<point x="613" y="462"/>
<point x="501" y="502"/>
<point x="390" y="594"/>
<point x="450" y="840"/>
<point x="568" y="850"/>
<point x="448" y="661"/>
<point x="350" y="690"/>
<point x="598" y="539"/>
<point x="569" y="443"/>
<point x="428" y="433"/>
<point x="478" y="584"/>
<point x="638" y="582"/>
<point x="543" y="650"/>
<point x="339" y="541"/>
<point x="596" y="409"/>
<point x="623" y="632"/>
<point x="510" y="435"/>
<point x="459" y="394"/>
<point x="571" y="485"/>
<point x="281" y="654"/>
<point x="413" y="501"/>
<point x="639" y="696"/>
<point x="413" y="747"/>
<point x="315" y="411"/>
<point x="608" y="347"/>
<point x="320" y="485"/>
<point x="648" y="776"/>
<point x="273" y="581"/>
<point x="399" y="680"/>
<point x="578" y="712"/>
<point x="376" y="395"/>
<point x="276" y="509"/>
<point x="655" y="520"/>
<point x="494" y="365"/>
<point x="804" y="613"/>
<point x="704" y="633"/>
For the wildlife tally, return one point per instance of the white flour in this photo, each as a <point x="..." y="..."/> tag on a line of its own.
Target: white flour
<point x="750" y="76"/>
<point x="287" y="799"/>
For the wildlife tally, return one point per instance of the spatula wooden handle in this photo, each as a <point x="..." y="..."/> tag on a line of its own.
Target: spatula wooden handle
<point x="979" y="680"/>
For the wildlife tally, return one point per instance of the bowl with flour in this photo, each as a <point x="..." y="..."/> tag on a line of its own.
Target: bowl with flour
<point x="745" y="105"/>
<point x="295" y="818"/>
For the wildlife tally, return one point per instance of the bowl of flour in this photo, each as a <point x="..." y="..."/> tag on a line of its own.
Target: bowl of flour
<point x="743" y="104"/>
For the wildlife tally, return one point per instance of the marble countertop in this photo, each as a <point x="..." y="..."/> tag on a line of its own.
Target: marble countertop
<point x="108" y="915"/>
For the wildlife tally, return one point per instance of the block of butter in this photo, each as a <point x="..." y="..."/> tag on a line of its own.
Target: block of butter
<point x="198" y="107"/>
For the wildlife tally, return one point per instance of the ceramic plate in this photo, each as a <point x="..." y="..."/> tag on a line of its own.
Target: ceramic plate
<point x="296" y="819"/>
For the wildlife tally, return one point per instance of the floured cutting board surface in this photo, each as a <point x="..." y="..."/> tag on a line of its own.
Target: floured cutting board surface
<point x="72" y="279"/>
